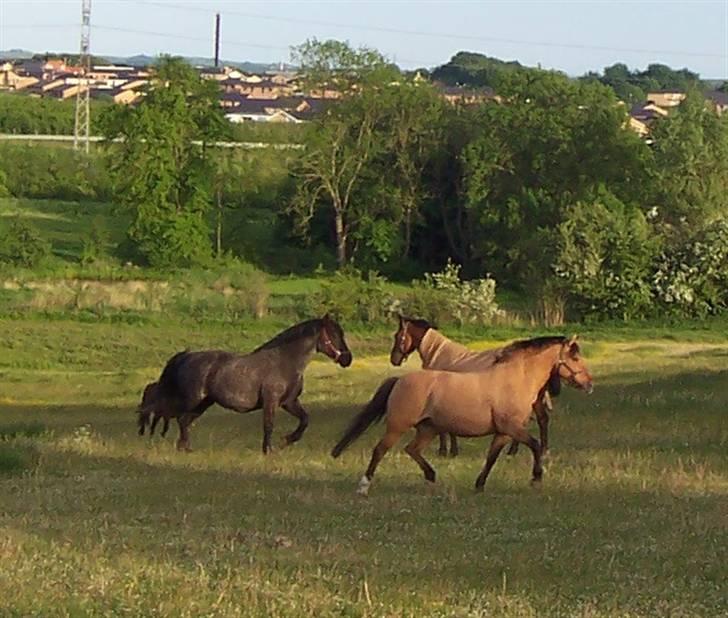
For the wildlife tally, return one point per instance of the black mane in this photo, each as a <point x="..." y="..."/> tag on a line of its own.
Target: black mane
<point x="309" y="328"/>
<point x="535" y="344"/>
<point x="419" y="323"/>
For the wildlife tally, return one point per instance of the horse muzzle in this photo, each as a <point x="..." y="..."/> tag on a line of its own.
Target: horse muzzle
<point x="344" y="359"/>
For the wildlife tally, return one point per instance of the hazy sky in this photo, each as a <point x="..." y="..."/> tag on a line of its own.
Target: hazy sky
<point x="574" y="36"/>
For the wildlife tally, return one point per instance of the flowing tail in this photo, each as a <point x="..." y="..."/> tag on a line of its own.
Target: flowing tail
<point x="373" y="412"/>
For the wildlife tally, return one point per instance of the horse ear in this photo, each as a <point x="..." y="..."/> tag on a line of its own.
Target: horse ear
<point x="573" y="346"/>
<point x="327" y="317"/>
<point x="401" y="320"/>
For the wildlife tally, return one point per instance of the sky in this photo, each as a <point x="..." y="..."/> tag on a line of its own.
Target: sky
<point x="574" y="37"/>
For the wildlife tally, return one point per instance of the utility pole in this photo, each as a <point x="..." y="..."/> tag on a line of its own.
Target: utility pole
<point x="217" y="40"/>
<point x="82" y="124"/>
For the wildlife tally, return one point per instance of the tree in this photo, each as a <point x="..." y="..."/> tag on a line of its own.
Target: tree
<point x="163" y="176"/>
<point x="338" y="66"/>
<point x="552" y="143"/>
<point x="414" y="118"/>
<point x="334" y="166"/>
<point x="345" y="140"/>
<point x="691" y="166"/>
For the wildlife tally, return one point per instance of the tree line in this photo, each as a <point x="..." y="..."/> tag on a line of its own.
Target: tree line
<point x="546" y="189"/>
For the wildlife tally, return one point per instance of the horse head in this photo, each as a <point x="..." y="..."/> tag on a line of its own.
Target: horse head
<point x="407" y="338"/>
<point x="331" y="342"/>
<point x="572" y="367"/>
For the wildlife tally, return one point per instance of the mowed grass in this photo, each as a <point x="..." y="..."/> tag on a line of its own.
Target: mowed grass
<point x="96" y="521"/>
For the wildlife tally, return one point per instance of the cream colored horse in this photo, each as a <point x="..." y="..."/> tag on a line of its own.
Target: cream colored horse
<point x="498" y="400"/>
<point x="438" y="352"/>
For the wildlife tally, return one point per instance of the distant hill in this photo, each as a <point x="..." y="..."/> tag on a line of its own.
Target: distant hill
<point x="144" y="60"/>
<point x="15" y="54"/>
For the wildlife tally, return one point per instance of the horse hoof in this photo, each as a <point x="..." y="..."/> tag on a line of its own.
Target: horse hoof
<point x="454" y="454"/>
<point x="536" y="482"/>
<point x="363" y="488"/>
<point x="442" y="453"/>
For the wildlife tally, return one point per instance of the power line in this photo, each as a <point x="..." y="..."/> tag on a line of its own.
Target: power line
<point x="225" y="42"/>
<point x="186" y="37"/>
<point x="458" y="36"/>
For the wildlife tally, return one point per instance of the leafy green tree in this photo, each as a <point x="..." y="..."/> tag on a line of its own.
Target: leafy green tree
<point x="475" y="70"/>
<point x="163" y="176"/>
<point x="551" y="144"/>
<point x="691" y="166"/>
<point x="338" y="66"/>
<point x="344" y="141"/>
<point x="605" y="253"/>
<point x="335" y="165"/>
<point x="415" y="116"/>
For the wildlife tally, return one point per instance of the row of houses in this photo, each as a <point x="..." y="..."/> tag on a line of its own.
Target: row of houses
<point x="661" y="104"/>
<point x="245" y="97"/>
<point x="267" y="97"/>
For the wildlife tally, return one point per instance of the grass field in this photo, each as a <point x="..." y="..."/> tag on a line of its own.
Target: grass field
<point x="95" y="521"/>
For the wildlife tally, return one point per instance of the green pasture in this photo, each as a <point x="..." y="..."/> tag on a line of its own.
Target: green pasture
<point x="96" y="521"/>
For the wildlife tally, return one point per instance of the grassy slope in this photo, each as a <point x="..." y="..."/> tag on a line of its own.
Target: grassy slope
<point x="630" y="521"/>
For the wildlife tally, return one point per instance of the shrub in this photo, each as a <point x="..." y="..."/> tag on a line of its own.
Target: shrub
<point x="94" y="243"/>
<point x="353" y="297"/>
<point x="12" y="460"/>
<point x="605" y="255"/>
<point x="443" y="297"/>
<point x="21" y="244"/>
<point x="692" y="280"/>
<point x="235" y="291"/>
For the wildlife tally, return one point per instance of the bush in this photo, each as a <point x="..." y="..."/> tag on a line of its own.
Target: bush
<point x="53" y="171"/>
<point x="605" y="255"/>
<point x="12" y="460"/>
<point x="353" y="297"/>
<point x="444" y="298"/>
<point x="21" y="244"/>
<point x="692" y="280"/>
<point x="238" y="290"/>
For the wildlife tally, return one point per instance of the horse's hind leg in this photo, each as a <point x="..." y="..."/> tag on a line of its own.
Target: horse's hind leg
<point x="153" y="426"/>
<point x="296" y="409"/>
<point x="496" y="446"/>
<point x="165" y="426"/>
<point x="513" y="449"/>
<point x="425" y="435"/>
<point x="185" y="420"/>
<point x="380" y="450"/>
<point x="442" y="451"/>
<point x="454" y="450"/>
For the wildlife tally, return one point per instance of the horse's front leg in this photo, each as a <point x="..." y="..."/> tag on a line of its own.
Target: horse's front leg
<point x="296" y="409"/>
<point x="542" y="417"/>
<point x="269" y="409"/>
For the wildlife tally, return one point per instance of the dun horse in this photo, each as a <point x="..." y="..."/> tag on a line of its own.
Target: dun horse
<point x="438" y="352"/>
<point x="269" y="377"/>
<point x="498" y="400"/>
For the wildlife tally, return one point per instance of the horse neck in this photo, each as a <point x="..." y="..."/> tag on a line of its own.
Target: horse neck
<point x="437" y="351"/>
<point x="538" y="366"/>
<point x="301" y="350"/>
